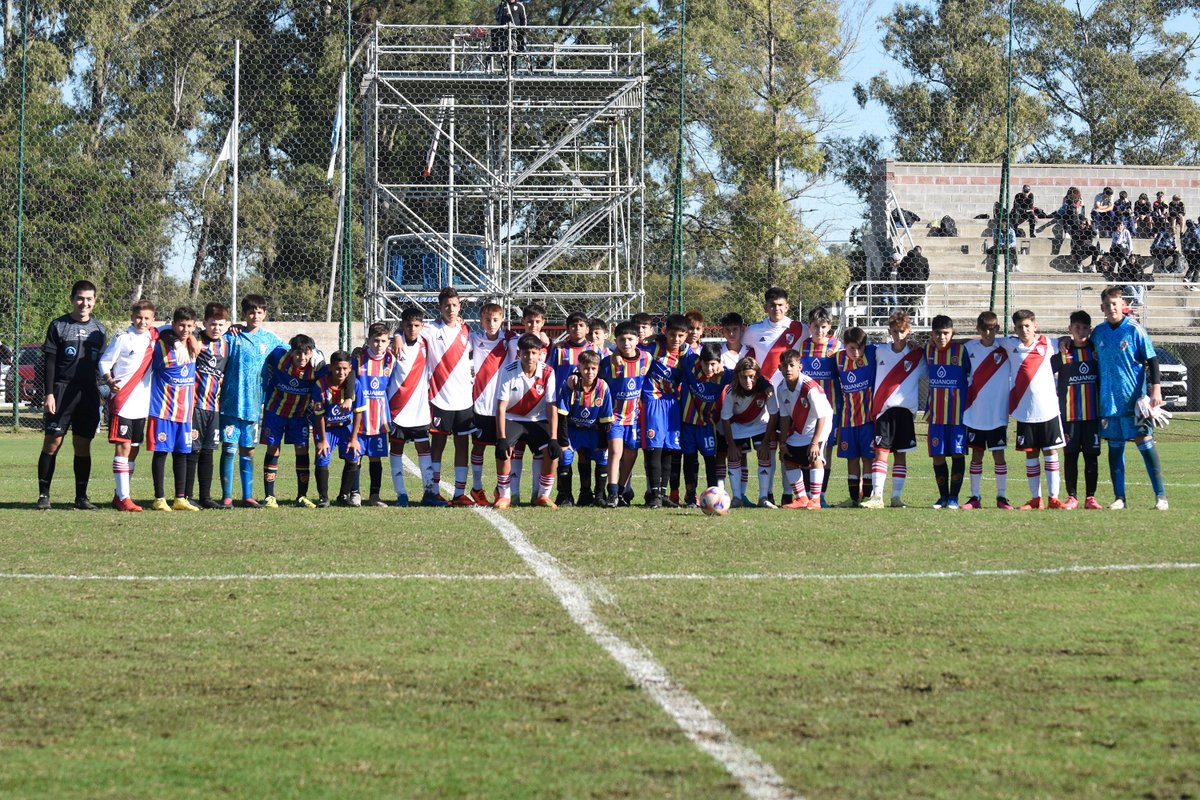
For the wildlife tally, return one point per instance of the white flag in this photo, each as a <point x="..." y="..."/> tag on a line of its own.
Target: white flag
<point x="226" y="152"/>
<point x="336" y="135"/>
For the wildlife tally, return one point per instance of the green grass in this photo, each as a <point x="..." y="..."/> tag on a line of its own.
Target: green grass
<point x="1032" y="685"/>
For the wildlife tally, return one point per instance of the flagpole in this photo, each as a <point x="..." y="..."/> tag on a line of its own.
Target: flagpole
<point x="233" y="156"/>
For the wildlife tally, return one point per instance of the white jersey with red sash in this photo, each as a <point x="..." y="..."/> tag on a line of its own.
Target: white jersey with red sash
<point x="1033" y="392"/>
<point x="408" y="387"/>
<point x="127" y="358"/>
<point x="490" y="356"/>
<point x="768" y="341"/>
<point x="747" y="414"/>
<point x="528" y="398"/>
<point x="448" y="362"/>
<point x="805" y="404"/>
<point x="730" y="357"/>
<point x="987" y="392"/>
<point x="897" y="378"/>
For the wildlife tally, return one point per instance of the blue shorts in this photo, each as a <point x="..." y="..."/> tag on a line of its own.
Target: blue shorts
<point x="165" y="436"/>
<point x="338" y="438"/>
<point x="856" y="441"/>
<point x="241" y="432"/>
<point x="629" y="434"/>
<point x="660" y="423"/>
<point x="277" y="430"/>
<point x="373" y="446"/>
<point x="698" y="439"/>
<point x="947" y="440"/>
<point x="1123" y="428"/>
<point x="586" y="441"/>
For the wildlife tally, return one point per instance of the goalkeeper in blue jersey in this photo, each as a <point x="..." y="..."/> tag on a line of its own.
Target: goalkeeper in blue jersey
<point x="242" y="397"/>
<point x="1130" y="394"/>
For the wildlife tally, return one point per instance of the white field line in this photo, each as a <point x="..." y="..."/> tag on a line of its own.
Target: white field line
<point x="758" y="779"/>
<point x="275" y="576"/>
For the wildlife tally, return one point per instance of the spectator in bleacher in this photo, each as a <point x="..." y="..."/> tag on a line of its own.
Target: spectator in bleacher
<point x="1132" y="275"/>
<point x="1103" y="216"/>
<point x="1011" y="240"/>
<point x="1158" y="214"/>
<point x="1143" y="220"/>
<point x="1176" y="215"/>
<point x="1123" y="210"/>
<point x="1122" y="243"/>
<point x="913" y="272"/>
<point x="1190" y="243"/>
<point x="1070" y="213"/>
<point x="886" y="294"/>
<point x="1164" y="248"/>
<point x="1023" y="209"/>
<point x="1084" y="246"/>
<point x="510" y="12"/>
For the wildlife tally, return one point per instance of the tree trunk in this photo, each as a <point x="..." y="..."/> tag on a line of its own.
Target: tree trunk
<point x="99" y="90"/>
<point x="201" y="257"/>
<point x="776" y="169"/>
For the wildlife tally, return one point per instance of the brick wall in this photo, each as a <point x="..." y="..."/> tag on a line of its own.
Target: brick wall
<point x="965" y="190"/>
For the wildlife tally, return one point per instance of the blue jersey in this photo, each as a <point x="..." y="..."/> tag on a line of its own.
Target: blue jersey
<point x="587" y="409"/>
<point x="242" y="392"/>
<point x="1122" y="353"/>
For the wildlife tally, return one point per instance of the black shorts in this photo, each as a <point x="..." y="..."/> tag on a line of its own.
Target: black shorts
<point x="399" y="434"/>
<point x="452" y="423"/>
<point x="206" y="429"/>
<point x="1082" y="436"/>
<point x="750" y="443"/>
<point x="127" y="431"/>
<point x="1035" y="436"/>
<point x="895" y="431"/>
<point x="995" y="439"/>
<point x="77" y="410"/>
<point x="535" y="435"/>
<point x="485" y="428"/>
<point x="798" y="455"/>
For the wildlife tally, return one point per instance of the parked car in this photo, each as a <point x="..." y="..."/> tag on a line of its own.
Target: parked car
<point x="29" y="372"/>
<point x="1174" y="376"/>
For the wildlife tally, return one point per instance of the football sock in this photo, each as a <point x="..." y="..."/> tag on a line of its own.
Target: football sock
<point x="1070" y="469"/>
<point x="816" y="479"/>
<point x="189" y="480"/>
<point x="614" y="489"/>
<point x="879" y="469"/>
<point x="83" y="471"/>
<point x="565" y="481"/>
<point x="322" y="474"/>
<point x="302" y="467"/>
<point x="710" y="470"/>
<point x="1002" y="480"/>
<point x="766" y="477"/>
<point x="853" y="484"/>
<point x="477" y="470"/>
<point x="46" y="471"/>
<point x="121" y="470"/>
<point x="691" y="468"/>
<point x="1033" y="471"/>
<point x="356" y="476"/>
<point x="204" y="469"/>
<point x="652" y="463"/>
<point x="436" y="478"/>
<point x="676" y="469"/>
<point x="270" y="470"/>
<point x="397" y="465"/>
<point x="375" y="476"/>
<point x="158" y="471"/>
<point x="228" y="458"/>
<point x="722" y="470"/>
<point x="545" y="484"/>
<point x="1091" y="473"/>
<point x="1116" y="466"/>
<point x="976" y="479"/>
<point x="537" y="470"/>
<point x="899" y="473"/>
<point x="957" y="467"/>
<point x="794" y="479"/>
<point x="827" y="469"/>
<point x="516" y="467"/>
<point x="601" y="479"/>
<point x="735" y="479"/>
<point x="460" y="481"/>
<point x="1153" y="466"/>
<point x="746" y="473"/>
<point x="867" y="485"/>
<point x="350" y="470"/>
<point x="425" y="462"/>
<point x="502" y="485"/>
<point x="246" y="470"/>
<point x="179" y="473"/>
<point x="941" y="474"/>
<point x="1053" y="474"/>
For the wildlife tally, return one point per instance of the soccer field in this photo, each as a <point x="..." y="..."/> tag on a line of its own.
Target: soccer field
<point x="592" y="653"/>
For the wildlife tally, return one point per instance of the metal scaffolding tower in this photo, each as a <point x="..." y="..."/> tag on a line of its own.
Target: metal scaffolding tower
<point x="507" y="162"/>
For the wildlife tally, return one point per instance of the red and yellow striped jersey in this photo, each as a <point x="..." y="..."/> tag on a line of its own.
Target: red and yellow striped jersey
<point x="625" y="377"/>
<point x="173" y="381"/>
<point x="817" y="363"/>
<point x="855" y="389"/>
<point x="947" y="371"/>
<point x="287" y="387"/>
<point x="371" y="390"/>
<point x="1078" y="377"/>
<point x="210" y="372"/>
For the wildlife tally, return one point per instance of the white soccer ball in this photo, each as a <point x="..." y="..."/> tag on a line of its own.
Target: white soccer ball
<point x="715" y="501"/>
